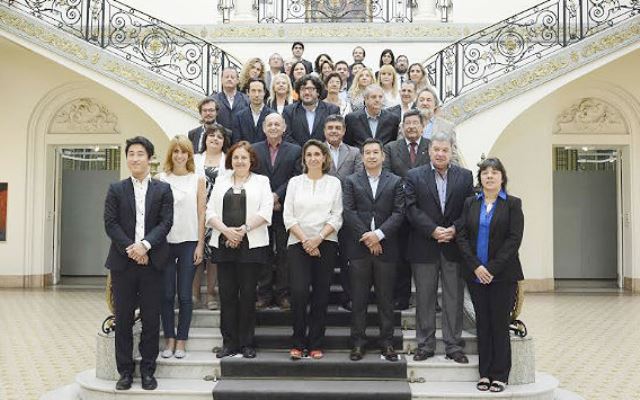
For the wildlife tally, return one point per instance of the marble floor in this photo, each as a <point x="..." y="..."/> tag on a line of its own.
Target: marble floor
<point x="590" y="342"/>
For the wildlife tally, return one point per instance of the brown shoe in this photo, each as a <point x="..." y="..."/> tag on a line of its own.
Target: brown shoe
<point x="283" y="303"/>
<point x="262" y="304"/>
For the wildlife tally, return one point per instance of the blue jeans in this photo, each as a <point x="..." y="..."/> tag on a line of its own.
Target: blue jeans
<point x="180" y="267"/>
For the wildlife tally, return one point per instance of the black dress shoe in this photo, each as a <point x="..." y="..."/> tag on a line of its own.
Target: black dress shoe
<point x="458" y="357"/>
<point x="356" y="353"/>
<point x="226" y="352"/>
<point x="149" y="382"/>
<point x="347" y="305"/>
<point x="124" y="383"/>
<point x="248" y="352"/>
<point x="400" y="305"/>
<point x="389" y="353"/>
<point x="422" y="354"/>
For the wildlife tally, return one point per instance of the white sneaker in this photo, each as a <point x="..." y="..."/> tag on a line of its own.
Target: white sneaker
<point x="166" y="353"/>
<point x="180" y="353"/>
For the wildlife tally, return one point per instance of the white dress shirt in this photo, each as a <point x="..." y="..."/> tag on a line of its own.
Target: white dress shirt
<point x="373" y="182"/>
<point x="140" y="192"/>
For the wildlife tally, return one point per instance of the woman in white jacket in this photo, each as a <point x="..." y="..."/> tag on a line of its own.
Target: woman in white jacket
<point x="239" y="211"/>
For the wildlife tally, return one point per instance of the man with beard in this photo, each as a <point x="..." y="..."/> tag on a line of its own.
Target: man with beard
<point x="208" y="109"/>
<point x="402" y="68"/>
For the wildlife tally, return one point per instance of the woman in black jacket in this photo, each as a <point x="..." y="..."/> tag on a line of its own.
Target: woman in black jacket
<point x="489" y="241"/>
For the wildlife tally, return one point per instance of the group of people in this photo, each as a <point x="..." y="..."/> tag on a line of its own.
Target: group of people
<point x="271" y="196"/>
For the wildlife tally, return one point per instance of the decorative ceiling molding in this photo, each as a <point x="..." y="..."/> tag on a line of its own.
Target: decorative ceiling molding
<point x="593" y="116"/>
<point x="84" y="115"/>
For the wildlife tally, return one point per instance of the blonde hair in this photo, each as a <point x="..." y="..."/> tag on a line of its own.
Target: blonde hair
<point x="244" y="74"/>
<point x="356" y="90"/>
<point x="394" y="84"/>
<point x="183" y="143"/>
<point x="272" y="93"/>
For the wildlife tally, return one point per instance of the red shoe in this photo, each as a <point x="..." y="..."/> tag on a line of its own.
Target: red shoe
<point x="316" y="354"/>
<point x="295" y="354"/>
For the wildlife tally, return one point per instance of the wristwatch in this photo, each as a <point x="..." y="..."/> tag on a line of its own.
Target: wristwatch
<point x="247" y="227"/>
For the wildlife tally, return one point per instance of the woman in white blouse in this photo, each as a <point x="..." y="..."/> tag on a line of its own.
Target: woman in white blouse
<point x="239" y="211"/>
<point x="333" y="83"/>
<point x="186" y="242"/>
<point x="313" y="215"/>
<point x="210" y="164"/>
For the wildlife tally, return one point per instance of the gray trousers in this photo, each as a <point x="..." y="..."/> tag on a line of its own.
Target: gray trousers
<point x="426" y="280"/>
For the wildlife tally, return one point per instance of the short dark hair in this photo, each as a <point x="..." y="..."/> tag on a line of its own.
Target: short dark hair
<point x="371" y="141"/>
<point x="264" y="87"/>
<point x="358" y="63"/>
<point x="390" y="52"/>
<point x="332" y="75"/>
<point x="253" y="156"/>
<point x="334" y="118"/>
<point x="316" y="64"/>
<point x="495" y="163"/>
<point x="205" y="101"/>
<point x="402" y="55"/>
<point x="314" y="79"/>
<point x="297" y="43"/>
<point x="342" y="62"/>
<point x="326" y="166"/>
<point x="212" y="130"/>
<point x="141" y="140"/>
<point x="413" y="113"/>
<point x="364" y="53"/>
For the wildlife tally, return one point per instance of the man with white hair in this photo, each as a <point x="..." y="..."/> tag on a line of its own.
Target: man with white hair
<point x="372" y="121"/>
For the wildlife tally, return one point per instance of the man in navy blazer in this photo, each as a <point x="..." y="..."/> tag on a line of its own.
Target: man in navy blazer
<point x="373" y="213"/>
<point x="435" y="195"/>
<point x="208" y="109"/>
<point x="372" y="121"/>
<point x="280" y="161"/>
<point x="248" y="121"/>
<point x="138" y="215"/>
<point x="230" y="100"/>
<point x="305" y="118"/>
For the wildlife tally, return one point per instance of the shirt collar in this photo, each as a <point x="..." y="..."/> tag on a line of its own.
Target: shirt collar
<point x="333" y="147"/>
<point x="312" y="108"/>
<point x="501" y="194"/>
<point x="366" y="110"/>
<point x="373" y="177"/>
<point x="276" y="146"/>
<point x="144" y="180"/>
<point x="417" y="141"/>
<point x="434" y="170"/>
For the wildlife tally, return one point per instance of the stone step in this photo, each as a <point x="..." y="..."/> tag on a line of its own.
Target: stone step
<point x="205" y="339"/>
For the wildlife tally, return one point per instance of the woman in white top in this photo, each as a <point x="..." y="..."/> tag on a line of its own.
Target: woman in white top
<point x="239" y="211"/>
<point x="210" y="164"/>
<point x="280" y="94"/>
<point x="313" y="215"/>
<point x="333" y="83"/>
<point x="388" y="80"/>
<point x="186" y="241"/>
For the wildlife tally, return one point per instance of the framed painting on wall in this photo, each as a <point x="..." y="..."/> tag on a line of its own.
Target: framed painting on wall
<point x="3" y="211"/>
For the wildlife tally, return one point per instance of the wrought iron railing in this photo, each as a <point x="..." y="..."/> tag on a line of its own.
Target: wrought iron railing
<point x="163" y="49"/>
<point x="517" y="41"/>
<point x="299" y="11"/>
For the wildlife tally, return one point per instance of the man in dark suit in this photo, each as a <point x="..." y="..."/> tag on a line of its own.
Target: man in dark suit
<point x="138" y="215"/>
<point x="208" y="109"/>
<point x="401" y="155"/>
<point x="248" y="121"/>
<point x="435" y="195"/>
<point x="230" y="100"/>
<point x="372" y="121"/>
<point x="280" y="161"/>
<point x="373" y="213"/>
<point x="305" y="118"/>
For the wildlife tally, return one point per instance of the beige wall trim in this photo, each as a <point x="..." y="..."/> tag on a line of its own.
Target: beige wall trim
<point x="632" y="284"/>
<point x="26" y="281"/>
<point x="539" y="285"/>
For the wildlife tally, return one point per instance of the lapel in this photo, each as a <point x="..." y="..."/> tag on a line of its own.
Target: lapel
<point x="452" y="180"/>
<point x="364" y="181"/>
<point x="381" y="183"/>
<point x="500" y="208"/>
<point x="265" y="155"/>
<point x="431" y="184"/>
<point x="422" y="157"/>
<point x="281" y="154"/>
<point x="148" y="199"/>
<point x="404" y="153"/>
<point x="318" y="117"/>
<point x="225" y="101"/>
<point x="302" y="112"/>
<point x="474" y="214"/>
<point x="365" y="122"/>
<point x="342" y="155"/>
<point x="236" y="100"/>
<point x="130" y="196"/>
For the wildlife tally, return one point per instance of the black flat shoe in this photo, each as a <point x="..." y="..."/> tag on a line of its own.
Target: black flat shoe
<point x="124" y="383"/>
<point x="389" y="353"/>
<point x="226" y="352"/>
<point x="149" y="382"/>
<point x="422" y="354"/>
<point x="356" y="353"/>
<point x="458" y="357"/>
<point x="248" y="352"/>
<point x="400" y="305"/>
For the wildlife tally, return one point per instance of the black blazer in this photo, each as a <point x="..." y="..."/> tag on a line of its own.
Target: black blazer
<point x="245" y="129"/>
<point x="386" y="208"/>
<point x="425" y="214"/>
<point x="120" y="222"/>
<point x="286" y="166"/>
<point x="397" y="159"/>
<point x="296" y="119"/>
<point x="358" y="129"/>
<point x="195" y="136"/>
<point x="505" y="236"/>
<point x="226" y="114"/>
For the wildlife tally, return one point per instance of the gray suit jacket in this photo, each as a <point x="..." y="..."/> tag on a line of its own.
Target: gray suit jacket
<point x="349" y="162"/>
<point x="397" y="160"/>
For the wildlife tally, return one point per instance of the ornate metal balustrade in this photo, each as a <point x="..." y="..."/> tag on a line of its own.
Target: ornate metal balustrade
<point x="165" y="50"/>
<point x="521" y="39"/>
<point x="299" y="11"/>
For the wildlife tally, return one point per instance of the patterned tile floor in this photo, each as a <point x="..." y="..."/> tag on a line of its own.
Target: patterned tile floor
<point x="589" y="342"/>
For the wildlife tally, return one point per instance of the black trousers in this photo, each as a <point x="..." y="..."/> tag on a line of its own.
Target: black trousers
<point x="493" y="304"/>
<point x="343" y="263"/>
<point x="364" y="272"/>
<point x="132" y="287"/>
<point x="274" y="275"/>
<point x="402" y="290"/>
<point x="237" y="289"/>
<point x="315" y="272"/>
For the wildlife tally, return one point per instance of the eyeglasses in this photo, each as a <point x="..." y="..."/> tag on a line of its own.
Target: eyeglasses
<point x="208" y="110"/>
<point x="308" y="89"/>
